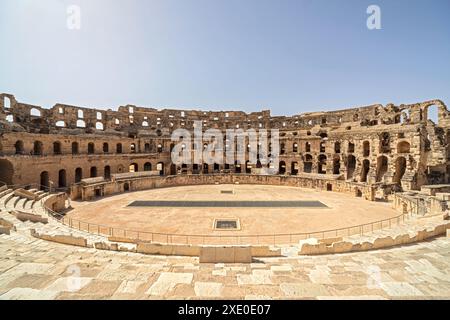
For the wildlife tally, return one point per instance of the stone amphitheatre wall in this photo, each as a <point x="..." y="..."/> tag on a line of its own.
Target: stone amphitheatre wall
<point x="89" y="191"/>
<point x="378" y="145"/>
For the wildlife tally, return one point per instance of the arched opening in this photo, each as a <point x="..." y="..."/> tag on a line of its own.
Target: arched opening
<point x="60" y="124"/>
<point x="366" y="148"/>
<point x="294" y="168"/>
<point x="173" y="169"/>
<point x="75" y="148"/>
<point x="126" y="187"/>
<point x="160" y="148"/>
<point x="282" y="168"/>
<point x="184" y="168"/>
<point x="6" y="103"/>
<point x="322" y="146"/>
<point x="400" y="169"/>
<point x="322" y="164"/>
<point x="6" y="172"/>
<point x="107" y="172"/>
<point x="385" y="141"/>
<point x="78" y="175"/>
<point x="195" y="169"/>
<point x="57" y="147"/>
<point x="351" y="165"/>
<point x="365" y="170"/>
<point x="205" y="168"/>
<point x="248" y="167"/>
<point x="93" y="172"/>
<point x="133" y="148"/>
<point x="44" y="181"/>
<point x="382" y="167"/>
<point x="81" y="124"/>
<point x="35" y="112"/>
<point x="237" y="167"/>
<point x="133" y="167"/>
<point x="160" y="168"/>
<point x="99" y="126"/>
<point x="403" y="147"/>
<point x="147" y="147"/>
<point x="307" y="164"/>
<point x="91" y="148"/>
<point x="432" y="114"/>
<point x="282" y="148"/>
<point x="62" y="182"/>
<point x="336" y="165"/>
<point x="38" y="148"/>
<point x="295" y="148"/>
<point x="119" y="148"/>
<point x="307" y="147"/>
<point x="216" y="168"/>
<point x="147" y="166"/>
<point x="105" y="147"/>
<point x="19" y="147"/>
<point x="337" y="147"/>
<point x="351" y="147"/>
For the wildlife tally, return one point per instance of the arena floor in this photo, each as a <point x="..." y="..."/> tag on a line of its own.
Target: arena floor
<point x="339" y="210"/>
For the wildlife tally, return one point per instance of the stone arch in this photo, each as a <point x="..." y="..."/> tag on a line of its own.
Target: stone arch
<point x="160" y="168"/>
<point x="75" y="148"/>
<point x="147" y="166"/>
<point x="81" y="124"/>
<point x="237" y="167"/>
<point x="35" y="112"/>
<point x="336" y="165"/>
<point x="403" y="147"/>
<point x="19" y="147"/>
<point x="294" y="168"/>
<point x="322" y="164"/>
<point x="6" y="171"/>
<point x="99" y="126"/>
<point x="44" y="181"/>
<point x="57" y="149"/>
<point x="107" y="172"/>
<point x="105" y="147"/>
<point x="400" y="169"/>
<point x="133" y="167"/>
<point x="351" y="165"/>
<point x="431" y="113"/>
<point x="119" y="148"/>
<point x="91" y="148"/>
<point x="93" y="172"/>
<point x="6" y="102"/>
<point x="382" y="168"/>
<point x="365" y="170"/>
<point x="78" y="175"/>
<point x="282" y="168"/>
<point x="295" y="147"/>
<point x="62" y="179"/>
<point x="337" y="147"/>
<point x="366" y="148"/>
<point x="307" y="147"/>
<point x="307" y="164"/>
<point x="38" y="148"/>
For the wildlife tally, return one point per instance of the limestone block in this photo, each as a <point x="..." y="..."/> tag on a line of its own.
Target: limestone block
<point x="242" y="255"/>
<point x="330" y="241"/>
<point x="342" y="246"/>
<point x="383" y="242"/>
<point x="265" y="251"/>
<point x="186" y="250"/>
<point x="402" y="239"/>
<point x="207" y="255"/>
<point x="448" y="233"/>
<point x="4" y="230"/>
<point x="224" y="255"/>
<point x="23" y="216"/>
<point x="63" y="239"/>
<point x="154" y="248"/>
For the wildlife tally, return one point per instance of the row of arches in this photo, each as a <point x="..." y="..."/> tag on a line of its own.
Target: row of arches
<point x="38" y="148"/>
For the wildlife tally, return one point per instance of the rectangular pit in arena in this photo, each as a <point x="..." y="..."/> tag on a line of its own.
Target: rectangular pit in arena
<point x="228" y="204"/>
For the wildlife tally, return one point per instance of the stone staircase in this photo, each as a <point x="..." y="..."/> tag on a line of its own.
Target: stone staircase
<point x="10" y="202"/>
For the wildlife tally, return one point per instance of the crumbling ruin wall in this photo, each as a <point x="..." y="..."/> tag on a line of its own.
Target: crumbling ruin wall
<point x="377" y="145"/>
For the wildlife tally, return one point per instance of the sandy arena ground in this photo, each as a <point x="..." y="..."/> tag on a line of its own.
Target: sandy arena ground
<point x="343" y="211"/>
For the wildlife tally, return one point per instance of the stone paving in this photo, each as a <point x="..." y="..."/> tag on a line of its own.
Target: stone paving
<point x="36" y="269"/>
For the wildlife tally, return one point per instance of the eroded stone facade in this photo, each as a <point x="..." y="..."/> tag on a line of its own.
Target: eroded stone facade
<point x="390" y="146"/>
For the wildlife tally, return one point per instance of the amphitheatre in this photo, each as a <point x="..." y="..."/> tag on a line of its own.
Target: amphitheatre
<point x="357" y="207"/>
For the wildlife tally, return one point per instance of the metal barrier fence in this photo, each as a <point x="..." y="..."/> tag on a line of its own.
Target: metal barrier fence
<point x="272" y="239"/>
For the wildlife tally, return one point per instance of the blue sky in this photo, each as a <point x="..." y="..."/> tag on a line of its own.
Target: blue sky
<point x="288" y="56"/>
